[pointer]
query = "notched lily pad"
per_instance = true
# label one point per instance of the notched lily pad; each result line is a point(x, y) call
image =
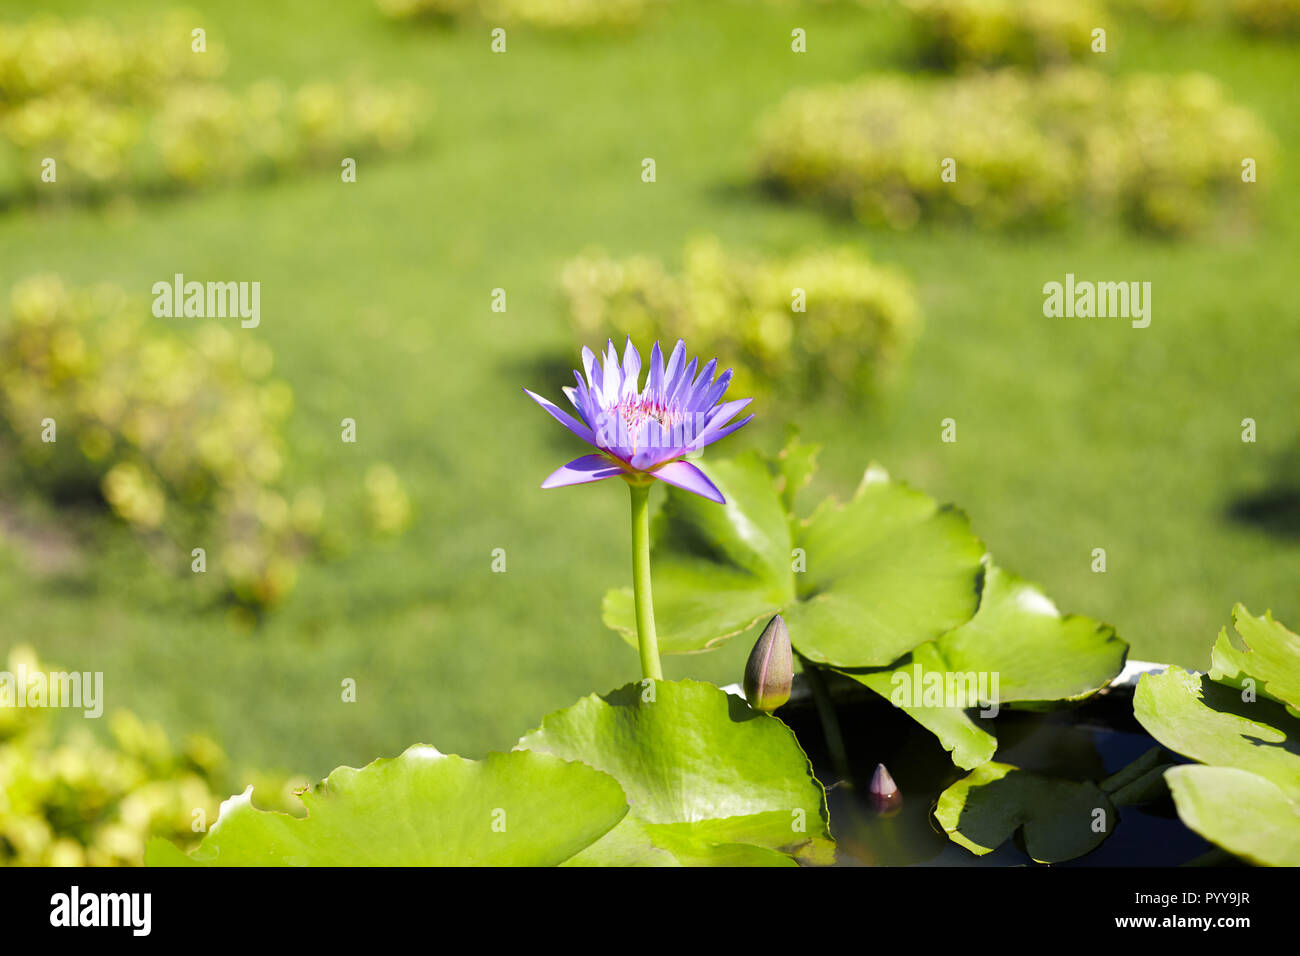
point(1058, 819)
point(422, 808)
point(1242, 812)
point(1271, 658)
point(873, 588)
point(1210, 723)
point(709, 780)
point(1240, 721)
point(1017, 648)
point(1036, 652)
point(860, 583)
point(959, 729)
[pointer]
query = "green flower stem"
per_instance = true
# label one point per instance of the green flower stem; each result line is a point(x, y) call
point(647, 639)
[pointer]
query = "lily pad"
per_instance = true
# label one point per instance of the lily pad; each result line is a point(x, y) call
point(873, 588)
point(1210, 723)
point(1017, 648)
point(1271, 658)
point(1058, 819)
point(794, 468)
point(1242, 812)
point(637, 843)
point(709, 779)
point(422, 808)
point(1240, 720)
point(970, 743)
point(859, 584)
point(1037, 653)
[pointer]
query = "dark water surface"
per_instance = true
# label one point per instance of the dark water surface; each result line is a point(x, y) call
point(1084, 742)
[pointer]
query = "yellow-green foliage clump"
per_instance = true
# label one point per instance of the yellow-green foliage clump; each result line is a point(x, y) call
point(1163, 11)
point(1280, 18)
point(118, 110)
point(47, 55)
point(544, 14)
point(985, 33)
point(71, 800)
point(1160, 153)
point(180, 437)
point(857, 323)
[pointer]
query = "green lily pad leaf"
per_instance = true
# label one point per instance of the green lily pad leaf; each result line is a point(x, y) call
point(422, 808)
point(1242, 812)
point(887, 571)
point(1059, 819)
point(702, 771)
point(1210, 723)
point(1241, 721)
point(794, 469)
point(1017, 647)
point(637, 843)
point(959, 732)
point(1035, 653)
point(878, 576)
point(628, 844)
point(695, 844)
point(1271, 658)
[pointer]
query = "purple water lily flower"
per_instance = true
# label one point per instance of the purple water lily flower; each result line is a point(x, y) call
point(642, 433)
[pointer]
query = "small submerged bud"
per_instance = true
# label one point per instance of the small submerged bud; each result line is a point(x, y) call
point(770, 669)
point(883, 793)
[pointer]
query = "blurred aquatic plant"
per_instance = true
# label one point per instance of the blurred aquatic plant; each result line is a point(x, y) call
point(388, 503)
point(182, 440)
point(1158, 153)
point(827, 321)
point(543, 14)
point(47, 55)
point(1165, 11)
point(71, 799)
point(984, 33)
point(1277, 18)
point(121, 111)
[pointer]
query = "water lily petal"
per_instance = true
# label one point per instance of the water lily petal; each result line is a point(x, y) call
point(655, 383)
point(564, 418)
point(591, 367)
point(715, 433)
point(716, 392)
point(578, 396)
point(689, 478)
point(678, 392)
point(582, 470)
point(674, 370)
point(691, 399)
point(631, 370)
point(613, 377)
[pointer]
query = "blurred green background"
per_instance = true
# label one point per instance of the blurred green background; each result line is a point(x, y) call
point(1072, 434)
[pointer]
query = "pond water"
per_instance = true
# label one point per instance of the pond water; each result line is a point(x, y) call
point(1089, 741)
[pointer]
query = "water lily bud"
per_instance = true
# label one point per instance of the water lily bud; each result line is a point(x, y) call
point(883, 793)
point(770, 668)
